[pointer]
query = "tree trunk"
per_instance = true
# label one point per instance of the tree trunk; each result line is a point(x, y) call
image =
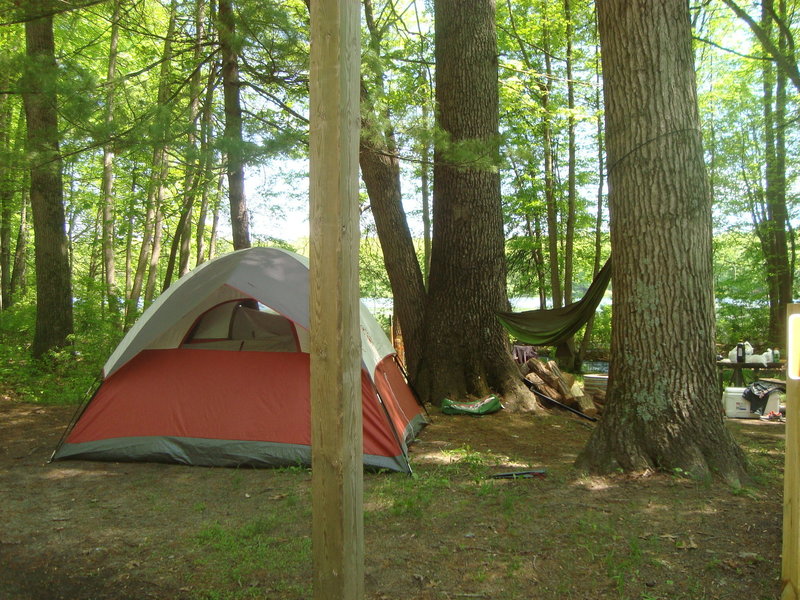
point(598, 223)
point(107, 216)
point(380, 170)
point(151, 238)
point(537, 256)
point(569, 234)
point(662, 408)
point(180, 248)
point(774, 244)
point(240, 224)
point(53, 286)
point(466, 351)
point(424, 182)
point(20, 263)
point(550, 184)
point(11, 144)
point(155, 254)
point(207, 170)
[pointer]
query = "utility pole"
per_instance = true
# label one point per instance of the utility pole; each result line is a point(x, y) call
point(336, 420)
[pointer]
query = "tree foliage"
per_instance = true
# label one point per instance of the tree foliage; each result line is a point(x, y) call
point(161, 114)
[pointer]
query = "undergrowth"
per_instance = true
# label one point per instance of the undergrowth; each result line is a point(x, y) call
point(63, 376)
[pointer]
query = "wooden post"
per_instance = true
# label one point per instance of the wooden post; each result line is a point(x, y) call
point(336, 429)
point(790, 568)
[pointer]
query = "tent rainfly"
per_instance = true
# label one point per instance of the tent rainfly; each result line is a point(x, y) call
point(216, 373)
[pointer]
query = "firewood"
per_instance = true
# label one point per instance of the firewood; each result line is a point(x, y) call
point(534, 379)
point(560, 381)
point(586, 406)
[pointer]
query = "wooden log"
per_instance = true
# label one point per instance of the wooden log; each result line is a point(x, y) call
point(587, 406)
point(560, 381)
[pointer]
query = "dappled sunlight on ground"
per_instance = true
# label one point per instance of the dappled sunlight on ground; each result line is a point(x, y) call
point(128, 531)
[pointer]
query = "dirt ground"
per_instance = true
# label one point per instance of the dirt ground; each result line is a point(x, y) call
point(94, 531)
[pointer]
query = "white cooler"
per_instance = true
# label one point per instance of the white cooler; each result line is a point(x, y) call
point(736, 407)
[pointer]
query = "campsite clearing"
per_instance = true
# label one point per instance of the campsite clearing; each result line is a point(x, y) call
point(88, 530)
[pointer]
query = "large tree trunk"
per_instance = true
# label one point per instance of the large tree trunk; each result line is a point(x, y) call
point(53, 285)
point(240, 223)
point(466, 351)
point(663, 408)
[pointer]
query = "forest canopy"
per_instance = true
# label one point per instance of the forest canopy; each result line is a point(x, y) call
point(180, 131)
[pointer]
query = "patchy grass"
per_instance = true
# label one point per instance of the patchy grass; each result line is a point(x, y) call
point(83, 530)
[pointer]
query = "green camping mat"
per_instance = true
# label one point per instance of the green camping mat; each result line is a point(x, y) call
point(480, 407)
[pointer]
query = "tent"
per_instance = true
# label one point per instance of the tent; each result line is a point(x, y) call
point(216, 372)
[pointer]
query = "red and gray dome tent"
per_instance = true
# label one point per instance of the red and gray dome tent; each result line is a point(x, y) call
point(216, 372)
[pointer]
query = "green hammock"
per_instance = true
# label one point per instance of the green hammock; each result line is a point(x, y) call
point(554, 326)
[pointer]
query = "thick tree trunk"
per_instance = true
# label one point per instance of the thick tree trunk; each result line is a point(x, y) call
point(53, 285)
point(240, 223)
point(466, 351)
point(663, 407)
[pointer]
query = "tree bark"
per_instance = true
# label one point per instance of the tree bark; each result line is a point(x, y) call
point(107, 184)
point(240, 222)
point(772, 230)
point(11, 182)
point(662, 408)
point(151, 238)
point(466, 349)
point(180, 246)
point(550, 183)
point(20, 263)
point(380, 170)
point(569, 234)
point(598, 223)
point(53, 285)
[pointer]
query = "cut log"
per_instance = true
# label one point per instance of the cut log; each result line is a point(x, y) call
point(544, 387)
point(560, 381)
point(586, 406)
